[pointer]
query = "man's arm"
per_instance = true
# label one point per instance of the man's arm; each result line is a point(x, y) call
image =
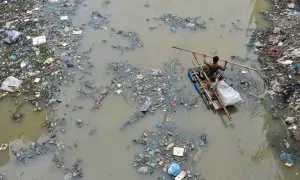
point(205, 62)
point(224, 67)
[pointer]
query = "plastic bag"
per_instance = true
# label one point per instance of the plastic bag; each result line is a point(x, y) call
point(284, 156)
point(12, 36)
point(11, 84)
point(174, 169)
point(228, 94)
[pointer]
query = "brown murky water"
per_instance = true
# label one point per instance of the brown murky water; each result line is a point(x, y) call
point(232, 154)
point(29, 128)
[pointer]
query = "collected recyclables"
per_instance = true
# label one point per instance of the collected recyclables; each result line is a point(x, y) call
point(228, 95)
point(11, 84)
point(174, 169)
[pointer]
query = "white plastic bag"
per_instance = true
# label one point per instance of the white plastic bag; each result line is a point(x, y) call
point(12, 36)
point(228, 94)
point(11, 84)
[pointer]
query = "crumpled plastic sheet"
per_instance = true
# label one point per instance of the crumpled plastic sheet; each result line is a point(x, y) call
point(288, 157)
point(11, 84)
point(12, 36)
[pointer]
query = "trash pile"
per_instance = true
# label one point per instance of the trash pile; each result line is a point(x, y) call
point(75, 172)
point(38, 42)
point(101, 21)
point(288, 158)
point(131, 37)
point(45, 144)
point(39, 53)
point(153, 90)
point(98, 21)
point(165, 149)
point(190, 23)
point(278, 48)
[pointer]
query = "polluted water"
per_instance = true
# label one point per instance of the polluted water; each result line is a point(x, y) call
point(123, 105)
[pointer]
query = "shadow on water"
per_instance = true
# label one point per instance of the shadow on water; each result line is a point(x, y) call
point(29, 127)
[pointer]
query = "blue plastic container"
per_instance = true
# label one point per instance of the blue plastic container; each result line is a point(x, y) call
point(174, 169)
point(191, 76)
point(197, 87)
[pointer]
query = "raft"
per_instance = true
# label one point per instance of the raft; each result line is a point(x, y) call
point(199, 82)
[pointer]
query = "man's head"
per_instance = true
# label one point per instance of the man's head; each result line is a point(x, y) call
point(215, 59)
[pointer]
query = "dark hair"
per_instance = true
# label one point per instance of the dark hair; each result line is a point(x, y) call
point(216, 59)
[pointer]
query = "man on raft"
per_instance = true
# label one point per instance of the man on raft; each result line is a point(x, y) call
point(212, 68)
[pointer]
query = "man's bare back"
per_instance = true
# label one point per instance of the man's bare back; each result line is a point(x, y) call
point(214, 67)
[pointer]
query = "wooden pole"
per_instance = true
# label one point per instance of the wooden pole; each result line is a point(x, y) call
point(230, 62)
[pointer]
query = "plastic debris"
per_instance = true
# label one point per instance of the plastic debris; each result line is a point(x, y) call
point(43, 139)
point(38, 40)
point(139, 76)
point(132, 39)
point(276, 30)
point(3, 147)
point(13, 57)
point(156, 152)
point(178, 151)
point(286, 62)
point(174, 169)
point(296, 53)
point(258, 44)
point(12, 36)
point(161, 89)
point(288, 158)
point(159, 125)
point(68, 176)
point(155, 72)
point(173, 28)
point(79, 122)
point(173, 103)
point(119, 85)
point(181, 175)
point(11, 84)
point(98, 20)
point(170, 146)
point(64, 18)
point(190, 23)
point(143, 170)
point(146, 105)
point(37, 80)
point(53, 101)
point(291, 5)
point(77, 32)
point(118, 91)
point(2, 95)
point(49, 60)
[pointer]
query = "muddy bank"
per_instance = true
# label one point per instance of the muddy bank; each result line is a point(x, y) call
point(39, 55)
point(278, 50)
point(39, 48)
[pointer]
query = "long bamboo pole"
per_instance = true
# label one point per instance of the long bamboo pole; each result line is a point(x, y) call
point(219, 59)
